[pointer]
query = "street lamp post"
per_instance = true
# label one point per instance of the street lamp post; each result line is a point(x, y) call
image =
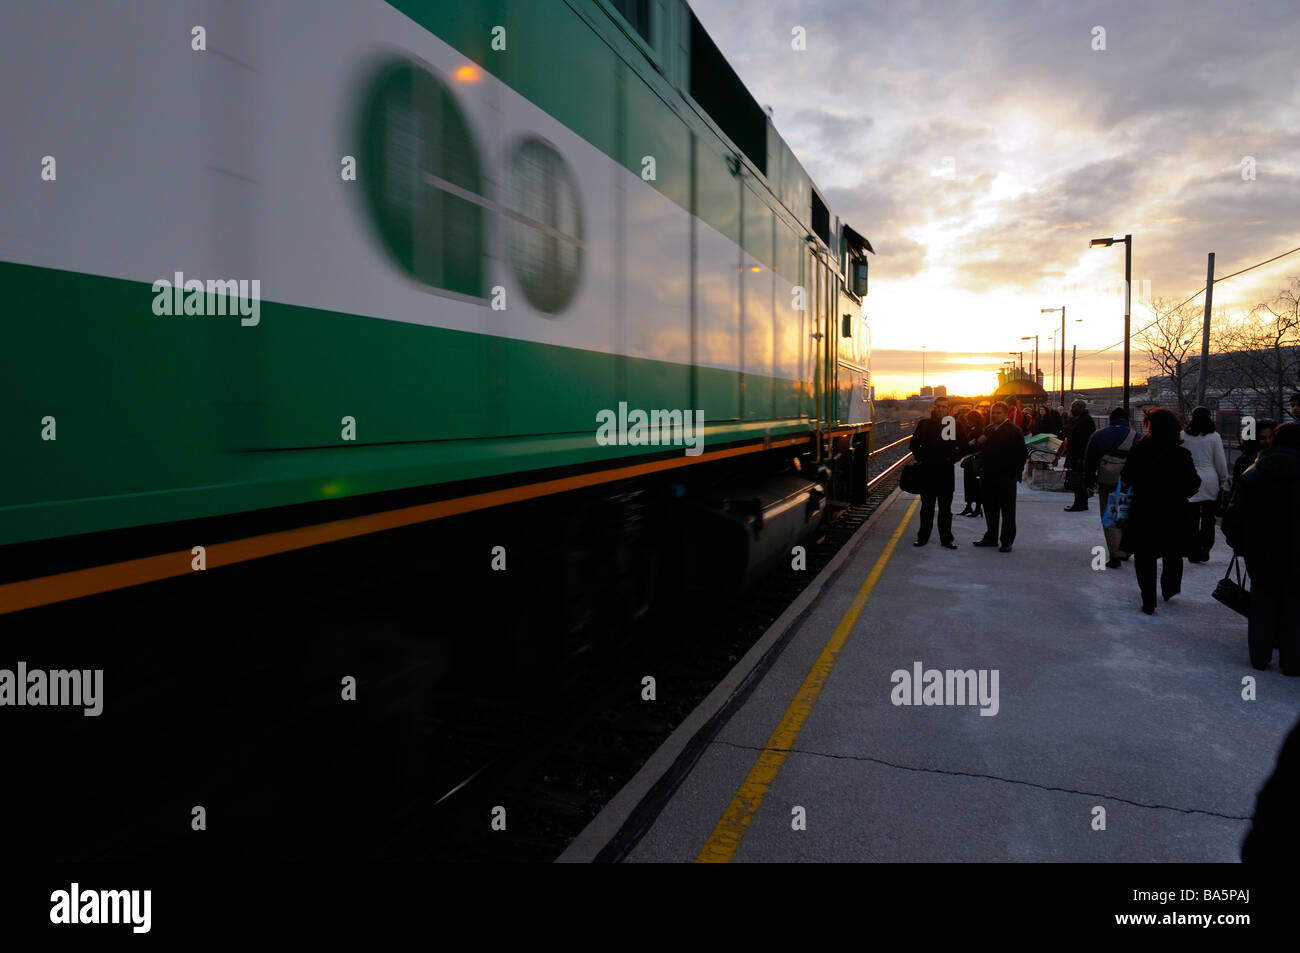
point(1053, 311)
point(1128, 287)
point(1052, 337)
point(1033, 370)
point(923, 367)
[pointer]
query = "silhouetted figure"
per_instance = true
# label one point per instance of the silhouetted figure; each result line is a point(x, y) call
point(1002, 460)
point(1052, 421)
point(1263, 524)
point(1274, 837)
point(1250, 449)
point(1161, 476)
point(936, 445)
point(970, 465)
point(1206, 448)
point(1103, 462)
point(1079, 430)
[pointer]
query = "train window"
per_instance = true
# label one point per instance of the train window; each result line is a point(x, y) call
point(821, 219)
point(637, 13)
point(545, 225)
point(421, 178)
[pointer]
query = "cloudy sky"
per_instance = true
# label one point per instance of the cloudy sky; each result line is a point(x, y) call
point(980, 146)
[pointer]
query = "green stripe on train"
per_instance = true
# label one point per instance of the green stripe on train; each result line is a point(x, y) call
point(163, 418)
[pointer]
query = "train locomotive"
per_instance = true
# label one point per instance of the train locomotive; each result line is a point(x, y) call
point(279, 277)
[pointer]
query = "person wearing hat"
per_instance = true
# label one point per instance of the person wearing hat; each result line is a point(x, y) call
point(1078, 431)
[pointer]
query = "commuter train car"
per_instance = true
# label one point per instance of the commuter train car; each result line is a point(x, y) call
point(278, 274)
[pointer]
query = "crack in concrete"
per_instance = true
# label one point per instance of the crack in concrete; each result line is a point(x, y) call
point(991, 777)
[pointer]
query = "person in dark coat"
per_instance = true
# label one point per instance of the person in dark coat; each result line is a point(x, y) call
point(936, 445)
point(1113, 442)
point(970, 465)
point(1161, 476)
point(1251, 449)
point(1052, 422)
point(1002, 460)
point(1274, 837)
point(1263, 524)
point(1078, 431)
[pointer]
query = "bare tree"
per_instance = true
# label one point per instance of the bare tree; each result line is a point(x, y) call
point(1263, 351)
point(1173, 337)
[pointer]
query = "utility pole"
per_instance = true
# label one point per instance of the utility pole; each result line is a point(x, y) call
point(1205, 334)
point(1128, 290)
point(1063, 357)
point(1074, 353)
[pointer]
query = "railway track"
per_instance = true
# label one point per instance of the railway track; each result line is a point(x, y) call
point(562, 762)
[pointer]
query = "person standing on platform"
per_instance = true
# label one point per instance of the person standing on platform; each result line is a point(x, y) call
point(1053, 424)
point(936, 445)
point(1251, 449)
point(1103, 462)
point(1002, 460)
point(1161, 476)
point(1206, 448)
point(1079, 431)
point(1263, 524)
point(970, 465)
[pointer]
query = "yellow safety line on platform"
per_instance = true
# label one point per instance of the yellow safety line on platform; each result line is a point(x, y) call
point(722, 844)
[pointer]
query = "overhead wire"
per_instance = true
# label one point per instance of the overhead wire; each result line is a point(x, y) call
point(1192, 298)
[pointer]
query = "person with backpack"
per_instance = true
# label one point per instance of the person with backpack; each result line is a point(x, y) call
point(1103, 462)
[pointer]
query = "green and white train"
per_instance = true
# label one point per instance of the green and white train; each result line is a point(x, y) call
point(471, 227)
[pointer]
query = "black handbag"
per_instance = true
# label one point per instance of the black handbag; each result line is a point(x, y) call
point(1233, 592)
point(912, 478)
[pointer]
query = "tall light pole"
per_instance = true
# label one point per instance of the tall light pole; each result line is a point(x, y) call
point(923, 371)
point(1128, 287)
point(1034, 369)
point(1053, 311)
point(1052, 337)
point(1112, 374)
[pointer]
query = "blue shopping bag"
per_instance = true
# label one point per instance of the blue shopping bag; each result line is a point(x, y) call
point(1117, 505)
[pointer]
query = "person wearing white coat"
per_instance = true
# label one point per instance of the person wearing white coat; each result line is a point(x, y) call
point(1206, 448)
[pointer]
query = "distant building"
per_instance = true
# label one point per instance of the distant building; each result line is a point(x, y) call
point(927, 391)
point(1258, 383)
point(940, 390)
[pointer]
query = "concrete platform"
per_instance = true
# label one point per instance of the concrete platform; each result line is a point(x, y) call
point(1098, 706)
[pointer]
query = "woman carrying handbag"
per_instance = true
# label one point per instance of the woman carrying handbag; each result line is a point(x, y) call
point(1263, 525)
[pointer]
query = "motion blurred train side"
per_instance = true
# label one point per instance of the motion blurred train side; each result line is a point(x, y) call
point(475, 226)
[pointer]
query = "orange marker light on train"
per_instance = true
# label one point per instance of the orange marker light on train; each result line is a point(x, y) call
point(467, 74)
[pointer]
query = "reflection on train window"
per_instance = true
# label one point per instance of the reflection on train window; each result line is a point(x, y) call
point(545, 226)
point(422, 179)
point(637, 13)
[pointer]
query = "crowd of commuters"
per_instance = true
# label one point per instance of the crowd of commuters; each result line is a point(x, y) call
point(993, 456)
point(1177, 484)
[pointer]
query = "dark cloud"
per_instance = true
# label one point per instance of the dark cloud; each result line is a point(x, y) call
point(1145, 136)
